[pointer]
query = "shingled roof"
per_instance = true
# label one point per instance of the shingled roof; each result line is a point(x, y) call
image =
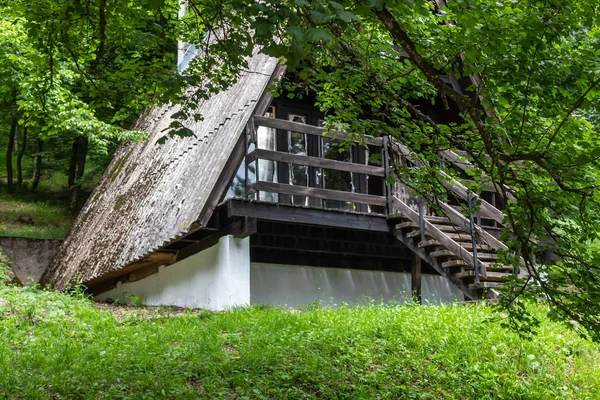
point(151, 193)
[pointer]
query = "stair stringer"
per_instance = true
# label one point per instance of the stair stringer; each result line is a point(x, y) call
point(473, 290)
point(471, 294)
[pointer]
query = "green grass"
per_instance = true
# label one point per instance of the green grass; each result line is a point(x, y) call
point(61, 347)
point(49, 219)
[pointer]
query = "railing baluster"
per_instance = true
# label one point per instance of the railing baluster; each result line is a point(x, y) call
point(421, 203)
point(387, 190)
point(246, 146)
point(473, 237)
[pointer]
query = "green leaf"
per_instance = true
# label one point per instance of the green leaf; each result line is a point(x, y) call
point(318, 34)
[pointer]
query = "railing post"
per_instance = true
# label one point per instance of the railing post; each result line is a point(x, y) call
point(473, 237)
point(246, 146)
point(421, 202)
point(387, 189)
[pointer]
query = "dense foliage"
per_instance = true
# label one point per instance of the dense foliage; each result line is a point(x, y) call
point(74, 77)
point(53, 345)
point(523, 86)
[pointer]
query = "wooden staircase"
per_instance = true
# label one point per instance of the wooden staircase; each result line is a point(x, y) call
point(446, 243)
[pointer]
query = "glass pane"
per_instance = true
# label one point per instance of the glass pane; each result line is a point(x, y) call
point(337, 180)
point(298, 173)
point(267, 170)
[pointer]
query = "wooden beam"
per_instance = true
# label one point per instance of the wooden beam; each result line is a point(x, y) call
point(462, 222)
point(317, 193)
point(241, 228)
point(488, 210)
point(312, 130)
point(434, 264)
point(318, 162)
point(319, 251)
point(457, 160)
point(306, 216)
point(435, 233)
point(415, 277)
point(136, 269)
point(220, 189)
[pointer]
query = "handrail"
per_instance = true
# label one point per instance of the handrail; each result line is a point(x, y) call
point(313, 130)
point(437, 234)
point(318, 162)
point(473, 239)
point(457, 160)
point(459, 189)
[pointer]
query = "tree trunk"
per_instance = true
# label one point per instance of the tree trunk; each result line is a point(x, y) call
point(82, 149)
point(20, 157)
point(10, 149)
point(37, 165)
point(73, 162)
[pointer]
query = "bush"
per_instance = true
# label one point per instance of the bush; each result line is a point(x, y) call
point(6, 274)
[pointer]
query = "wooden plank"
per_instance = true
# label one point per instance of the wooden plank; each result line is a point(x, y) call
point(486, 285)
point(312, 130)
point(462, 222)
point(492, 276)
point(434, 263)
point(465, 165)
point(317, 193)
point(120, 224)
point(435, 233)
point(442, 253)
point(240, 228)
point(324, 252)
point(306, 216)
point(415, 278)
point(318, 162)
point(134, 270)
point(488, 210)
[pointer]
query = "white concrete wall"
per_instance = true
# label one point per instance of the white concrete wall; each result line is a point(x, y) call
point(297, 286)
point(216, 278)
point(222, 276)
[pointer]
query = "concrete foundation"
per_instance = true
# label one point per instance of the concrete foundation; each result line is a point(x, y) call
point(29, 258)
point(215, 279)
point(222, 277)
point(297, 286)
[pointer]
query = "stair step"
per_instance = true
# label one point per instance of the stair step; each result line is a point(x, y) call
point(486, 285)
point(491, 276)
point(454, 263)
point(450, 228)
point(396, 217)
point(442, 253)
point(459, 237)
point(416, 233)
point(466, 245)
point(438, 220)
point(490, 268)
point(443, 228)
point(487, 256)
point(429, 243)
point(407, 224)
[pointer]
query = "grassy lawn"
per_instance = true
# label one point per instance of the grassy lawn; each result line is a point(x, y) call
point(65, 347)
point(33, 217)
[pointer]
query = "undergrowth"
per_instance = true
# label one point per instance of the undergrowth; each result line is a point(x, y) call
point(32, 218)
point(61, 346)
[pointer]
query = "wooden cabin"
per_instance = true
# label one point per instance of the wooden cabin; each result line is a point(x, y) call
point(264, 206)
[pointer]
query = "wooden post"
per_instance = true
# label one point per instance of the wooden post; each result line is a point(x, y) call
point(415, 274)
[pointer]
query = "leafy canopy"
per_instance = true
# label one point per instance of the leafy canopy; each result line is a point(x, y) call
point(523, 85)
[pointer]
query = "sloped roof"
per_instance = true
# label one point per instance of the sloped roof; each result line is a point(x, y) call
point(153, 193)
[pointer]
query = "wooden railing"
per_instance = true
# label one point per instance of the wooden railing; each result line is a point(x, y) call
point(311, 161)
